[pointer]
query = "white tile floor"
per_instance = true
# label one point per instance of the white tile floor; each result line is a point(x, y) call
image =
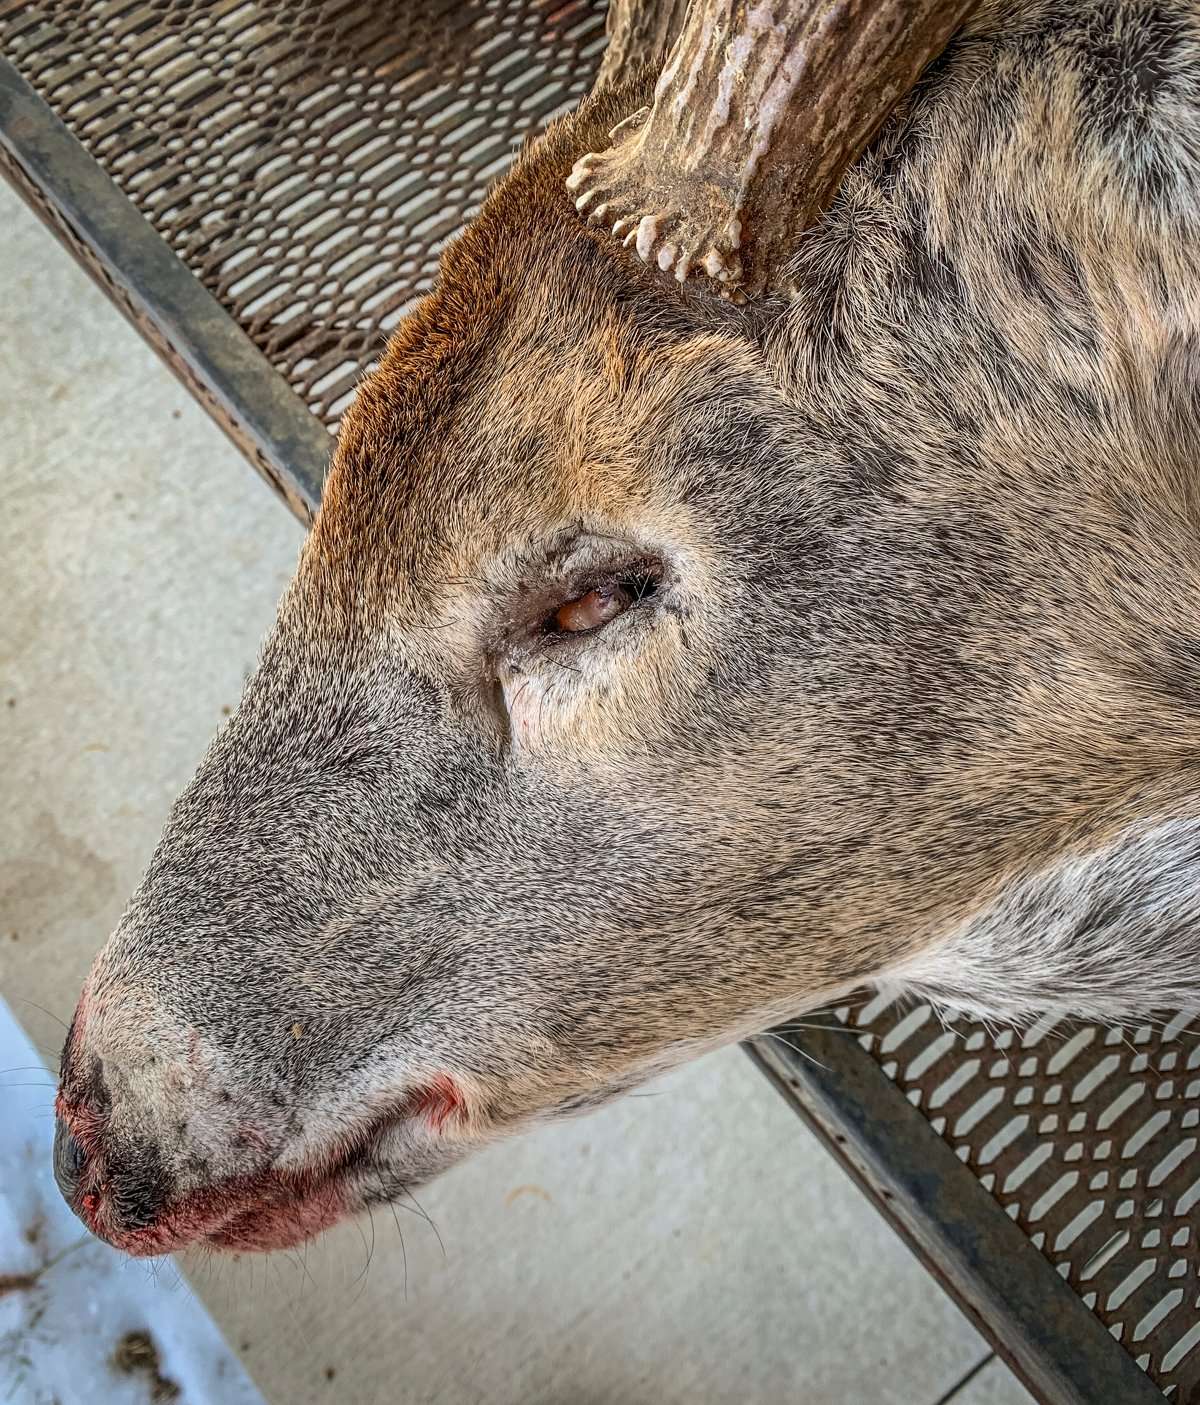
point(695, 1245)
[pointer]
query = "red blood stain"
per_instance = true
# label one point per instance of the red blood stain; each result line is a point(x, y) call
point(439, 1101)
point(271, 1210)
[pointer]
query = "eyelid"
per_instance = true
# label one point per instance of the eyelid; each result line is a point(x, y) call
point(637, 585)
point(518, 630)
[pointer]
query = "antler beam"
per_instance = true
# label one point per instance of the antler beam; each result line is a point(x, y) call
point(640, 32)
point(758, 112)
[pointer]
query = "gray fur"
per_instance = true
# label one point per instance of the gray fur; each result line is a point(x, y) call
point(1109, 935)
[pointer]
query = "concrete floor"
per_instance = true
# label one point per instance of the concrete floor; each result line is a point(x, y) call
point(694, 1244)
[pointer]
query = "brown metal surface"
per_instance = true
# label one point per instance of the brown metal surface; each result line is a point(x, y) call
point(306, 160)
point(1087, 1137)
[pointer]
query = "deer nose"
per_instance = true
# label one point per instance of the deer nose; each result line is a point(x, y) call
point(106, 1161)
point(70, 1159)
point(113, 1194)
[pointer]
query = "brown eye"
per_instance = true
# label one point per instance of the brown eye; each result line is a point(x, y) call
point(592, 610)
point(604, 602)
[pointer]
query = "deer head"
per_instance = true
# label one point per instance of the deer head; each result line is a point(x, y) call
point(659, 666)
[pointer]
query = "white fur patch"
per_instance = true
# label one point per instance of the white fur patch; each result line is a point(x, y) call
point(1105, 936)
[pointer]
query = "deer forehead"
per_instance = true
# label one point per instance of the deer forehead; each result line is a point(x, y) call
point(535, 431)
point(472, 459)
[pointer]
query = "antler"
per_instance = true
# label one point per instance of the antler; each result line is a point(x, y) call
point(758, 112)
point(639, 33)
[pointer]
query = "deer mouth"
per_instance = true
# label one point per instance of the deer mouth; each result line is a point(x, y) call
point(274, 1208)
point(127, 1189)
point(274, 1221)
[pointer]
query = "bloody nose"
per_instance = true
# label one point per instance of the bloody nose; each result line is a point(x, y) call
point(69, 1162)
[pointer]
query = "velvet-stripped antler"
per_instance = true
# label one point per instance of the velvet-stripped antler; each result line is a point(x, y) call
point(640, 32)
point(757, 113)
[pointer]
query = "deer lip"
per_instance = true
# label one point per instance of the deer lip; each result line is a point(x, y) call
point(280, 1224)
point(272, 1209)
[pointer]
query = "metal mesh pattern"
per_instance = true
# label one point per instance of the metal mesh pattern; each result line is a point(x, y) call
point(307, 161)
point(1088, 1139)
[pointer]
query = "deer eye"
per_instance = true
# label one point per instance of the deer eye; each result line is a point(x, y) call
point(602, 603)
point(592, 610)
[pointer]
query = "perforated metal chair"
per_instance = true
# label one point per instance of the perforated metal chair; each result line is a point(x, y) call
point(263, 190)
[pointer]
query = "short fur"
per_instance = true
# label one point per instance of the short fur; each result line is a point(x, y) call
point(914, 693)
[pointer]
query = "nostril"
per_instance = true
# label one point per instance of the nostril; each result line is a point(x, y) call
point(69, 1161)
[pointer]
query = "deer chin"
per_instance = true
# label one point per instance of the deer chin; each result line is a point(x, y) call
point(268, 1224)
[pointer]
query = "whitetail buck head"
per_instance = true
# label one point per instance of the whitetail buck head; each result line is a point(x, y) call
point(659, 666)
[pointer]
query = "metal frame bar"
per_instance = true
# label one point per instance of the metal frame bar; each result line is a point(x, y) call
point(1054, 1343)
point(1004, 1285)
point(161, 297)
